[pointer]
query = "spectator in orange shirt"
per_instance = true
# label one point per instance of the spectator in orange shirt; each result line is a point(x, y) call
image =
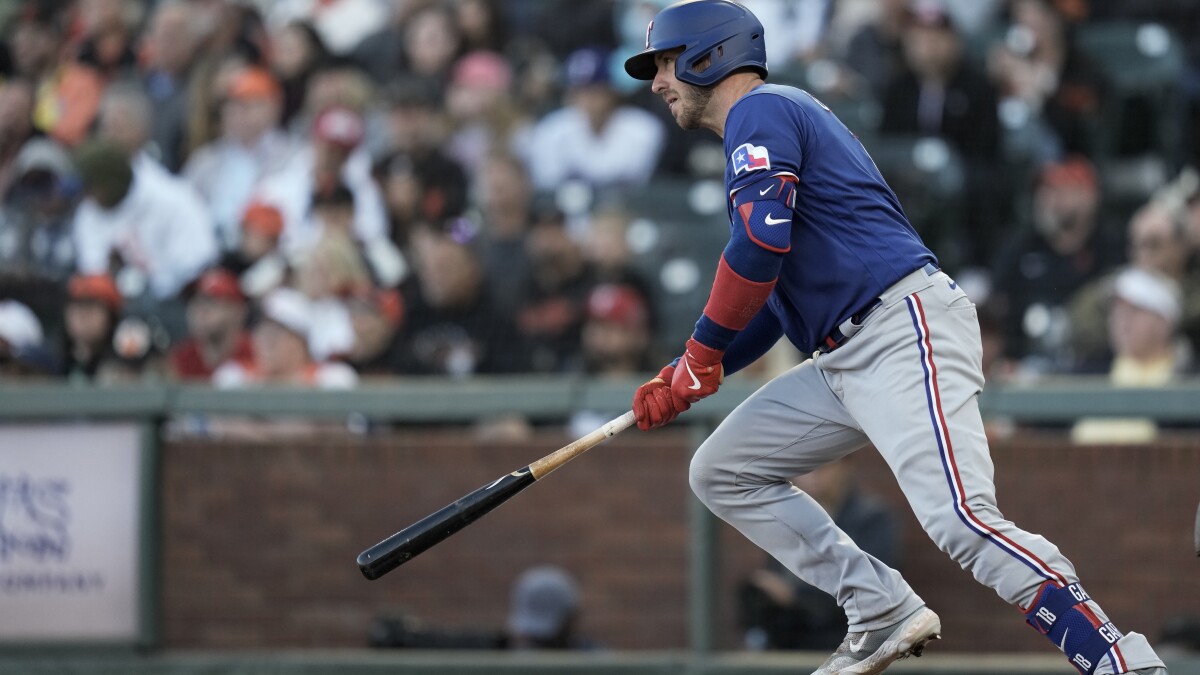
point(68, 92)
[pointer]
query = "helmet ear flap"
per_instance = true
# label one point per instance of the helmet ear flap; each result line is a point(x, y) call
point(708, 67)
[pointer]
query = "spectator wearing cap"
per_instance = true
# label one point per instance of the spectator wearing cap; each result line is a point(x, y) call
point(335, 155)
point(1158, 243)
point(1143, 323)
point(216, 321)
point(23, 351)
point(261, 226)
point(377, 316)
point(940, 93)
point(544, 611)
point(616, 331)
point(35, 217)
point(252, 145)
point(480, 106)
point(1064, 247)
point(90, 317)
point(151, 225)
point(1148, 350)
point(281, 354)
point(594, 138)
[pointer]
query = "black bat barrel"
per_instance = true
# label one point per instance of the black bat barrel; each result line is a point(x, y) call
point(413, 540)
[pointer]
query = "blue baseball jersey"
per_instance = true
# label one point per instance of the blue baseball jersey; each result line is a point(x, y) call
point(848, 238)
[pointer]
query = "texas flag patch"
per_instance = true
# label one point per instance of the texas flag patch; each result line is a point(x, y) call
point(749, 157)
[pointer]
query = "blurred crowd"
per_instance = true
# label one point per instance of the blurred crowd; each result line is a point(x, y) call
point(319, 192)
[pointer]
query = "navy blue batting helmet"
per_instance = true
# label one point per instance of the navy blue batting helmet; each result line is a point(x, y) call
point(721, 30)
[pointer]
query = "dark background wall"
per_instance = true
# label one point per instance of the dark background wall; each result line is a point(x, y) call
point(259, 538)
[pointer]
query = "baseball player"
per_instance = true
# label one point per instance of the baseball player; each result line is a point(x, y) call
point(820, 251)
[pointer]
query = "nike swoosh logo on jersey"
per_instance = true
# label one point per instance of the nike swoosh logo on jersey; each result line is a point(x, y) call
point(765, 190)
point(861, 641)
point(775, 221)
point(695, 380)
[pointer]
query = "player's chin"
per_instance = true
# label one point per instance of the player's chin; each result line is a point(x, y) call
point(686, 120)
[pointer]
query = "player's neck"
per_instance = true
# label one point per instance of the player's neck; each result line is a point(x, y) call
point(725, 94)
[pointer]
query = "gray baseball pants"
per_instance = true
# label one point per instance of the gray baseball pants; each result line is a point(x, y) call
point(908, 383)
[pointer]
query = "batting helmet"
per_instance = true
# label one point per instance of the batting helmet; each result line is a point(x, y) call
point(721, 30)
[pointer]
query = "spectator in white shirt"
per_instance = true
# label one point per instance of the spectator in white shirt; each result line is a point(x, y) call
point(147, 224)
point(594, 138)
point(335, 155)
point(281, 350)
point(342, 24)
point(252, 145)
point(126, 117)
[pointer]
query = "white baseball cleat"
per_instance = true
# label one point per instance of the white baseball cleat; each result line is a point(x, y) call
point(872, 651)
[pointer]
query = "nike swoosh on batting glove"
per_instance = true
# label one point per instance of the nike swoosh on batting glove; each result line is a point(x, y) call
point(653, 403)
point(699, 372)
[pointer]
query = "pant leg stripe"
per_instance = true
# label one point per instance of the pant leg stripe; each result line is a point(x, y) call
point(946, 450)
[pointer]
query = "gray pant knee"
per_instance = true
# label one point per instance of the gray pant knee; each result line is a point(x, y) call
point(706, 476)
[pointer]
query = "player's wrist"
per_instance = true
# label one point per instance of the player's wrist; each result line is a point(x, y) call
point(702, 354)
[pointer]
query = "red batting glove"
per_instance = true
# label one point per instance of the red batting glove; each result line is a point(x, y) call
point(699, 372)
point(654, 405)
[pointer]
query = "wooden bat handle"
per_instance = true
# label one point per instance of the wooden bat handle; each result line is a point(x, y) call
point(565, 454)
point(427, 532)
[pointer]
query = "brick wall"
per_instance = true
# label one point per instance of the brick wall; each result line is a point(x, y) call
point(259, 538)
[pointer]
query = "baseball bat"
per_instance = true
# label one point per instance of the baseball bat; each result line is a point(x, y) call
point(415, 539)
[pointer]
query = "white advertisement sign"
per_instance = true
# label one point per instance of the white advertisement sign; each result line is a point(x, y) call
point(69, 532)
